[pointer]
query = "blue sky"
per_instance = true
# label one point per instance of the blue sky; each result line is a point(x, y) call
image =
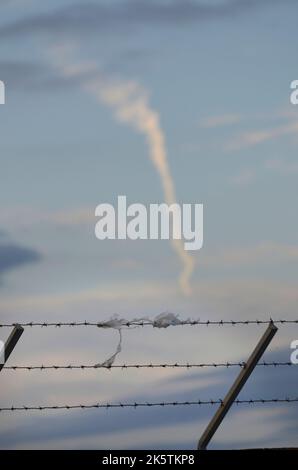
point(217, 75)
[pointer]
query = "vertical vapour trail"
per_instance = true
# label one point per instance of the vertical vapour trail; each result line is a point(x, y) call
point(130, 104)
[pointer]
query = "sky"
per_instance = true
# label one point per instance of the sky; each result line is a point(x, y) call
point(90, 87)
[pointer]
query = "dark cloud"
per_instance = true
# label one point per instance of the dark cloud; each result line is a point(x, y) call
point(21, 73)
point(91, 17)
point(13, 256)
point(33, 76)
point(85, 18)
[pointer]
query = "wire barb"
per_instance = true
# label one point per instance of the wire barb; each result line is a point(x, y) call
point(150, 323)
point(145, 404)
point(143, 366)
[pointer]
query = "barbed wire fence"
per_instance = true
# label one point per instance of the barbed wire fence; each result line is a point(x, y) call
point(162, 321)
point(148, 404)
point(153, 323)
point(143, 366)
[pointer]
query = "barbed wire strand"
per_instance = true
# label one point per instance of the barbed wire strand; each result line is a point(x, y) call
point(146, 404)
point(148, 323)
point(143, 366)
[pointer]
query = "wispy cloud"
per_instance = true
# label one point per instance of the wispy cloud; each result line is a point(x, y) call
point(13, 256)
point(220, 120)
point(256, 137)
point(107, 292)
point(281, 166)
point(266, 251)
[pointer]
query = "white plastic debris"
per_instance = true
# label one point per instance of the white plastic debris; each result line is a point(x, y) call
point(114, 322)
point(166, 319)
point(163, 320)
point(110, 361)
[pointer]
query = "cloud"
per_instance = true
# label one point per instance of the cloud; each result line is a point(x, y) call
point(123, 292)
point(253, 138)
point(249, 255)
point(249, 427)
point(13, 256)
point(21, 73)
point(220, 120)
point(281, 166)
point(36, 76)
point(231, 297)
point(122, 17)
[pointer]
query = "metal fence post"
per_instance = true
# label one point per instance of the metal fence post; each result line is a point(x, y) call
point(11, 342)
point(237, 386)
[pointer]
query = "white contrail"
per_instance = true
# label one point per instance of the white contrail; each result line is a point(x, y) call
point(130, 104)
